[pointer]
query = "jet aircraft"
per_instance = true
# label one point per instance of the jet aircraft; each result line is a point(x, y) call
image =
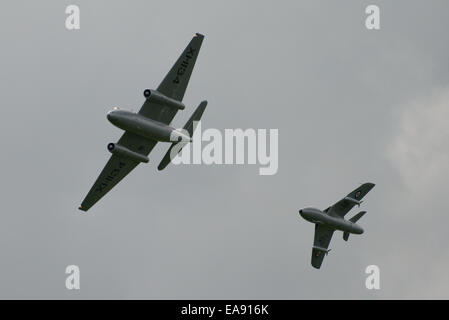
point(149, 126)
point(331, 219)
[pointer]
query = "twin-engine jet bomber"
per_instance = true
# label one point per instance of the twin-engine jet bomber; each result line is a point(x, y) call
point(331, 219)
point(149, 126)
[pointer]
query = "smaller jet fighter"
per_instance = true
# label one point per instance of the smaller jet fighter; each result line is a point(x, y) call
point(331, 219)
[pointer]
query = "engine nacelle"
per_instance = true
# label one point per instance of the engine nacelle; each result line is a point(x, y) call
point(124, 152)
point(157, 97)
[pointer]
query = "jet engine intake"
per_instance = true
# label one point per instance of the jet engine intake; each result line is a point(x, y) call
point(124, 152)
point(157, 97)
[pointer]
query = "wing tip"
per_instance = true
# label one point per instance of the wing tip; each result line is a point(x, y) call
point(316, 264)
point(164, 163)
point(367, 185)
point(199, 35)
point(82, 209)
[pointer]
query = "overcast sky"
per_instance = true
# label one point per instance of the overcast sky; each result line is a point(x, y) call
point(351, 106)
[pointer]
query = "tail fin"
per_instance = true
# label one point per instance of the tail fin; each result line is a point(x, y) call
point(196, 116)
point(354, 219)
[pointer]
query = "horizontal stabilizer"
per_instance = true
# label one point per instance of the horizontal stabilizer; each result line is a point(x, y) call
point(189, 127)
point(355, 218)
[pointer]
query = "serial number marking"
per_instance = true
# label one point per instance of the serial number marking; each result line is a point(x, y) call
point(110, 177)
point(184, 64)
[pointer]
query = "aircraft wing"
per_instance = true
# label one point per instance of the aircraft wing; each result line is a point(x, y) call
point(175, 83)
point(321, 241)
point(117, 168)
point(342, 207)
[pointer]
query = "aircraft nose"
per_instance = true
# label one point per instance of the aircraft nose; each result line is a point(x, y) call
point(111, 115)
point(300, 213)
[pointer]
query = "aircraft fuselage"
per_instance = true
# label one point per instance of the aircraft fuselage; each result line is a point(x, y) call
point(317, 216)
point(145, 127)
